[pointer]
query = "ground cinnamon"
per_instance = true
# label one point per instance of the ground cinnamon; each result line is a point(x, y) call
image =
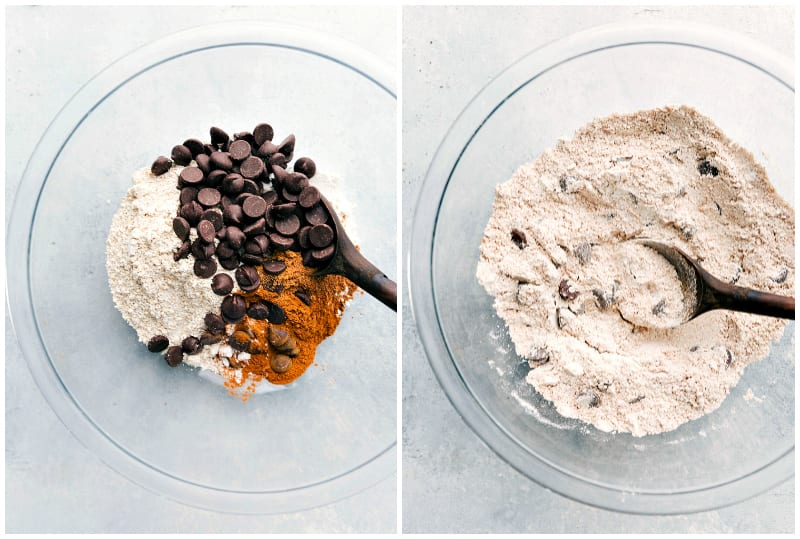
point(308, 324)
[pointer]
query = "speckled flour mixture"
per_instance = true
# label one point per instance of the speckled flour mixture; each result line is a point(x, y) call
point(588, 310)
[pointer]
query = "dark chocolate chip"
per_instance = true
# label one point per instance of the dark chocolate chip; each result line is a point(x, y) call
point(295, 183)
point(566, 290)
point(322, 255)
point(205, 230)
point(309, 197)
point(233, 308)
point(203, 163)
point(280, 242)
point(192, 176)
point(781, 276)
point(207, 338)
point(157, 343)
point(288, 195)
point(181, 227)
point(280, 176)
point(191, 212)
point(302, 237)
point(658, 308)
point(232, 215)
point(317, 215)
point(229, 263)
point(289, 225)
point(235, 237)
point(233, 184)
point(251, 187)
point(267, 149)
point(214, 323)
point(214, 217)
point(705, 168)
point(188, 194)
point(181, 155)
point(222, 284)
point(240, 341)
point(205, 268)
point(221, 161)
point(240, 150)
point(320, 236)
point(286, 147)
point(282, 211)
point(262, 133)
point(246, 136)
point(208, 149)
point(518, 237)
point(258, 245)
point(252, 167)
point(160, 166)
point(194, 145)
point(202, 250)
point(280, 363)
point(182, 251)
point(222, 231)
point(254, 207)
point(215, 178)
point(305, 165)
point(256, 228)
point(208, 197)
point(302, 296)
point(278, 160)
point(174, 356)
point(276, 314)
point(274, 267)
point(251, 259)
point(225, 250)
point(258, 311)
point(191, 345)
point(248, 278)
point(218, 136)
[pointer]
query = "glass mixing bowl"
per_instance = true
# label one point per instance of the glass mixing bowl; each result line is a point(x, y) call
point(333, 433)
point(741, 449)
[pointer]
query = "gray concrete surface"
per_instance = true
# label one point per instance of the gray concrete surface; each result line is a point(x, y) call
point(451, 481)
point(53, 484)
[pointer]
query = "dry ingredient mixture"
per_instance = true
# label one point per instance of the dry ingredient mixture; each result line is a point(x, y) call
point(590, 311)
point(212, 253)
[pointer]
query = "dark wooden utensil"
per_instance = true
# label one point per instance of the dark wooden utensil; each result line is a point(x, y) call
point(703, 292)
point(348, 262)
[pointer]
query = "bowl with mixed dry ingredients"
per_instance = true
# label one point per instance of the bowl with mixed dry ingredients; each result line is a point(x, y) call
point(550, 331)
point(172, 192)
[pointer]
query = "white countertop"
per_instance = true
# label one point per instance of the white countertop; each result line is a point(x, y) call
point(451, 481)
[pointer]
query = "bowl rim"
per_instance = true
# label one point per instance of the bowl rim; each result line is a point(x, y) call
point(422, 295)
point(18, 242)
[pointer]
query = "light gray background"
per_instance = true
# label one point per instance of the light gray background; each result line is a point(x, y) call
point(52, 482)
point(451, 481)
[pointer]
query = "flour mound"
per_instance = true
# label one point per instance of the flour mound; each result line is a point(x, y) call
point(590, 310)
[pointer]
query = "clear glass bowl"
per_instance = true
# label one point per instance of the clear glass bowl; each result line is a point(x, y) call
point(334, 432)
point(741, 449)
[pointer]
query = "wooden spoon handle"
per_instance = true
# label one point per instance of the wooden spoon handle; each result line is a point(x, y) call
point(372, 280)
point(721, 295)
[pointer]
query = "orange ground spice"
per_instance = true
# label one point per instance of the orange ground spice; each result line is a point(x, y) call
point(308, 325)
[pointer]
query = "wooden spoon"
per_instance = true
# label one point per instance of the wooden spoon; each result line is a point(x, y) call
point(703, 292)
point(348, 262)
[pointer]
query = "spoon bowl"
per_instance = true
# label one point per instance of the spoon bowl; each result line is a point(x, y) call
point(702, 292)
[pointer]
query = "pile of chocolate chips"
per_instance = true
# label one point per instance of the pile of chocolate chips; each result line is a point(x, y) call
point(244, 205)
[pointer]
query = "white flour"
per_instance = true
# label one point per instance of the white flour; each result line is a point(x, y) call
point(155, 294)
point(619, 178)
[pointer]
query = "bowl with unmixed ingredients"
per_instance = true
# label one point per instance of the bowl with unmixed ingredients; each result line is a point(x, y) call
point(332, 432)
point(743, 448)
